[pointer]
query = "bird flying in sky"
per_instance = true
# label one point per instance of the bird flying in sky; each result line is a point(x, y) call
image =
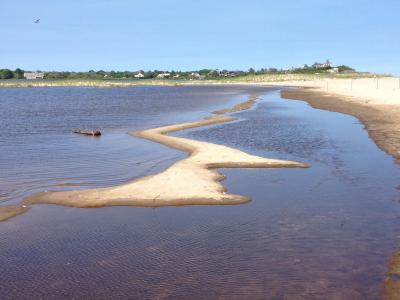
point(37, 21)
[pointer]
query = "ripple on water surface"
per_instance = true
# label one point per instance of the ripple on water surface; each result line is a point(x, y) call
point(38, 150)
point(319, 233)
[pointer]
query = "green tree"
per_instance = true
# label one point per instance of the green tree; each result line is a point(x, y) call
point(18, 73)
point(6, 74)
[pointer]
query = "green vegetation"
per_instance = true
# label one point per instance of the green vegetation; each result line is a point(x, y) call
point(156, 77)
point(6, 74)
point(181, 75)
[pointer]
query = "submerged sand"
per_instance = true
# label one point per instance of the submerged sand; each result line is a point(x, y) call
point(238, 107)
point(191, 181)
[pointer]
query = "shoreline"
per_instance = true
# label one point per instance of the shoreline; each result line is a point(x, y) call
point(11, 211)
point(193, 180)
point(382, 122)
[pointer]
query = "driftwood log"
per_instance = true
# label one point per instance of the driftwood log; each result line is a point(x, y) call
point(87, 132)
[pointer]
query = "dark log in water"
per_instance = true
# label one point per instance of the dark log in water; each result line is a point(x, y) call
point(87, 132)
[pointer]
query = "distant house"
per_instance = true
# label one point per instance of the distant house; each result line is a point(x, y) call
point(318, 65)
point(235, 73)
point(214, 73)
point(231, 73)
point(196, 76)
point(139, 75)
point(33, 75)
point(163, 75)
point(327, 64)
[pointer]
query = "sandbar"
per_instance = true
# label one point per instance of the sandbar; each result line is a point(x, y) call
point(238, 107)
point(10, 211)
point(190, 181)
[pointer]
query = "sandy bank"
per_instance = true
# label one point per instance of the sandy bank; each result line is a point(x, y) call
point(375, 91)
point(381, 120)
point(191, 181)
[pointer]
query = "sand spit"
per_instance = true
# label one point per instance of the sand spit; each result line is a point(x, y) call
point(191, 181)
point(238, 107)
point(380, 120)
point(10, 211)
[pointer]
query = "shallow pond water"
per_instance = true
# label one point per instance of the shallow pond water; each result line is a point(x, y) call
point(320, 233)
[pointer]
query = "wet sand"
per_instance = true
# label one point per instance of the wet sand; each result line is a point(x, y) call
point(191, 181)
point(382, 121)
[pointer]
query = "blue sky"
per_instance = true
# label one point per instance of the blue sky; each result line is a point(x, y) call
point(184, 35)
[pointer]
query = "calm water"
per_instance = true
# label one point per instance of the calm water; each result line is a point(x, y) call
point(319, 233)
point(38, 150)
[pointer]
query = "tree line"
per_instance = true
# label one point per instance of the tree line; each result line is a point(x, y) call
point(197, 74)
point(8, 74)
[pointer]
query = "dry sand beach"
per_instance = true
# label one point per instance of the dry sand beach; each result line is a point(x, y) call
point(374, 101)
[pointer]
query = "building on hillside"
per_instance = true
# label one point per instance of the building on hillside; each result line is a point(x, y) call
point(139, 75)
point(196, 76)
point(214, 73)
point(33, 75)
point(327, 64)
point(231, 73)
point(317, 65)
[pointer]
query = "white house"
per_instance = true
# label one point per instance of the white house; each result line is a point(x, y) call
point(33, 75)
point(196, 76)
point(163, 75)
point(318, 66)
point(139, 75)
